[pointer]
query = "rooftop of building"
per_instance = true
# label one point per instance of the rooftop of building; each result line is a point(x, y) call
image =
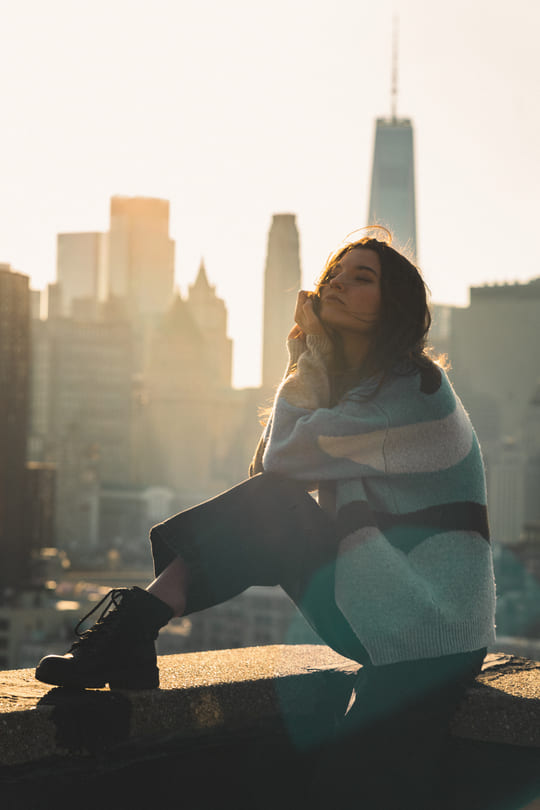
point(394, 121)
point(506, 290)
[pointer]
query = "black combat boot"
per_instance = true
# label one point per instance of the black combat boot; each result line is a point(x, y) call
point(118, 649)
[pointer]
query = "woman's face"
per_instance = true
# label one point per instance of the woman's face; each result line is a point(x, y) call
point(351, 296)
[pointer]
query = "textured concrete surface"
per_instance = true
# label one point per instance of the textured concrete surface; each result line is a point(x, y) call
point(504, 705)
point(274, 689)
point(207, 693)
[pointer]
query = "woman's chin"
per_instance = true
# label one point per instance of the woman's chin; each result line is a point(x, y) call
point(330, 322)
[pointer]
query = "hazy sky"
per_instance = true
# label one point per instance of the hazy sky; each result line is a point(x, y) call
point(238, 109)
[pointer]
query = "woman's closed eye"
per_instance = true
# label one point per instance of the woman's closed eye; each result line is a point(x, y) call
point(361, 279)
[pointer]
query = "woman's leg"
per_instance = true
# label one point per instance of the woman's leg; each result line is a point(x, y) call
point(265, 531)
point(171, 586)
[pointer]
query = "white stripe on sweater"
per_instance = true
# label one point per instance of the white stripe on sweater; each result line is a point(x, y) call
point(418, 448)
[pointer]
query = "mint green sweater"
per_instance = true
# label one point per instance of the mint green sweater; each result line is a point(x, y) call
point(414, 573)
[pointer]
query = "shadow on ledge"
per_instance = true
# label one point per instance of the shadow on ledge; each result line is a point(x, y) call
point(251, 728)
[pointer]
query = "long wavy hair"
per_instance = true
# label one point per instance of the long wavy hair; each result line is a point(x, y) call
point(400, 338)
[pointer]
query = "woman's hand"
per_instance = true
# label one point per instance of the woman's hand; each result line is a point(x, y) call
point(307, 321)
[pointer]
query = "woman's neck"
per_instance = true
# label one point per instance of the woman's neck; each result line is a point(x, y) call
point(356, 350)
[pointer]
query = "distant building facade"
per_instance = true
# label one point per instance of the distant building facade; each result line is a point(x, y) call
point(532, 471)
point(54, 300)
point(441, 329)
point(189, 411)
point(35, 304)
point(392, 200)
point(282, 280)
point(494, 355)
point(39, 506)
point(210, 315)
point(495, 366)
point(81, 263)
point(81, 415)
point(140, 255)
point(15, 355)
point(260, 615)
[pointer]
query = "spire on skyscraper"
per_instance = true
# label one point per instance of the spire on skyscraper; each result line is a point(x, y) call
point(394, 89)
point(202, 279)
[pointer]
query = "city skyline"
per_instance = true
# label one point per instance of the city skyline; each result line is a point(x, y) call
point(237, 114)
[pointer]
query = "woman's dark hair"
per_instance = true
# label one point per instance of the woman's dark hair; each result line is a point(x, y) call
point(400, 337)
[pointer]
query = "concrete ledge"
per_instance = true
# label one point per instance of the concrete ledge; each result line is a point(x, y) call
point(504, 705)
point(202, 695)
point(232, 722)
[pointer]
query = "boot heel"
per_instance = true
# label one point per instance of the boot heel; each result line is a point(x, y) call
point(135, 680)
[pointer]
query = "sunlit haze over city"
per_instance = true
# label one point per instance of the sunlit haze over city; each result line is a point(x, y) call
point(234, 111)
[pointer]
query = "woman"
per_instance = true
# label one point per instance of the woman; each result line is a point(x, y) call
point(392, 566)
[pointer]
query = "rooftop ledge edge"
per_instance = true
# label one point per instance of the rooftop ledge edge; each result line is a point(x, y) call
point(273, 689)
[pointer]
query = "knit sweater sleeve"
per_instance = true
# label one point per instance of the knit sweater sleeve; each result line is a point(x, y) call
point(308, 438)
point(306, 383)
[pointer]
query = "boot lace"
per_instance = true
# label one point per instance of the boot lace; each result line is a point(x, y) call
point(106, 618)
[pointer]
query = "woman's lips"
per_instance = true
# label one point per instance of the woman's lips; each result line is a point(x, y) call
point(333, 297)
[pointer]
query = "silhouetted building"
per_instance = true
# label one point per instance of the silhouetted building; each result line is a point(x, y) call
point(392, 200)
point(259, 615)
point(441, 327)
point(80, 268)
point(210, 314)
point(35, 304)
point(494, 355)
point(54, 300)
point(14, 403)
point(532, 471)
point(126, 515)
point(495, 366)
point(141, 255)
point(186, 416)
point(81, 416)
point(282, 280)
point(506, 491)
point(38, 509)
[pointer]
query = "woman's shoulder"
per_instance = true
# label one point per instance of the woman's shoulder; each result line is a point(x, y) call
point(411, 394)
point(428, 380)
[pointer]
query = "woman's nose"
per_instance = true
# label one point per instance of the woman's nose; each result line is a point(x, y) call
point(336, 281)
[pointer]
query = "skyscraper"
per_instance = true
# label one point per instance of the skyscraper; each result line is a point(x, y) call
point(392, 200)
point(141, 255)
point(80, 267)
point(210, 315)
point(14, 399)
point(81, 412)
point(495, 366)
point(282, 280)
